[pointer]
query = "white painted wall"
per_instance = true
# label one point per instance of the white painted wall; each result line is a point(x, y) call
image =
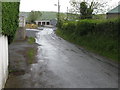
point(45, 21)
point(3, 60)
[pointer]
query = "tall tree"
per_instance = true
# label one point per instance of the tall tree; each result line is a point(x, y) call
point(33, 16)
point(83, 10)
point(87, 7)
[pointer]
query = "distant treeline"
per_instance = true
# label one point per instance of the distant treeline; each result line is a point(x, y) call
point(99, 36)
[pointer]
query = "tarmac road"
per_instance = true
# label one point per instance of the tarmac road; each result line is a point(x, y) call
point(61, 64)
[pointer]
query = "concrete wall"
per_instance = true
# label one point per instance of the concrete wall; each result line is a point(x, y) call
point(3, 60)
point(21, 33)
point(22, 21)
point(112, 15)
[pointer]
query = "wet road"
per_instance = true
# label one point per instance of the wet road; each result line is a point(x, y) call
point(64, 65)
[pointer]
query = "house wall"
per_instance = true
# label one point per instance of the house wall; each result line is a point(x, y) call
point(22, 21)
point(43, 22)
point(21, 32)
point(112, 15)
point(3, 60)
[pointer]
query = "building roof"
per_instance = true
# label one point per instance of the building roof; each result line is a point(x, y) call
point(115, 10)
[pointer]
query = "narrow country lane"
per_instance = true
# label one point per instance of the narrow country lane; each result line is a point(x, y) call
point(60, 64)
point(64, 65)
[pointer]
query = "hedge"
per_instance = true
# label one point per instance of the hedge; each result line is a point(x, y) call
point(10, 19)
point(84, 27)
point(100, 36)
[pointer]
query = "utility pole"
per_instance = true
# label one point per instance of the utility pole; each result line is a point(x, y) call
point(67, 13)
point(58, 12)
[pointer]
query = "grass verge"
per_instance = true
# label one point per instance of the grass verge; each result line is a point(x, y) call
point(31, 56)
point(31, 40)
point(98, 44)
point(31, 52)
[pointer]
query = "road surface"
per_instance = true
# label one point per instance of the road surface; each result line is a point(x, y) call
point(64, 65)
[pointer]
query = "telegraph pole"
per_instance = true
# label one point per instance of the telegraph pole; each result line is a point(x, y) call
point(58, 12)
point(67, 13)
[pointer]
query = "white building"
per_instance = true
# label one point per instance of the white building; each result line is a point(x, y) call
point(42, 22)
point(52, 22)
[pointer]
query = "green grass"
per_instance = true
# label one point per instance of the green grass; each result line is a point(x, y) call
point(31, 55)
point(31, 52)
point(45, 15)
point(99, 36)
point(101, 45)
point(31, 40)
point(48, 16)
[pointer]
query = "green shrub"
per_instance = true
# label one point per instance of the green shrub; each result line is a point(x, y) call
point(68, 27)
point(84, 27)
point(100, 36)
point(10, 16)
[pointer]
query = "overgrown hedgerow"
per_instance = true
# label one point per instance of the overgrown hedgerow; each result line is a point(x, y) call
point(100, 36)
point(10, 19)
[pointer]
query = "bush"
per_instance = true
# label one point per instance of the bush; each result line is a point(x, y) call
point(68, 27)
point(100, 36)
point(10, 17)
point(84, 27)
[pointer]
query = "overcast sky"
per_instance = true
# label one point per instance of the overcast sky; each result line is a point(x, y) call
point(48, 5)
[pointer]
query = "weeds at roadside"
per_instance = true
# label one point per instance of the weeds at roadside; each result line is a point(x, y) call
point(31, 40)
point(31, 56)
